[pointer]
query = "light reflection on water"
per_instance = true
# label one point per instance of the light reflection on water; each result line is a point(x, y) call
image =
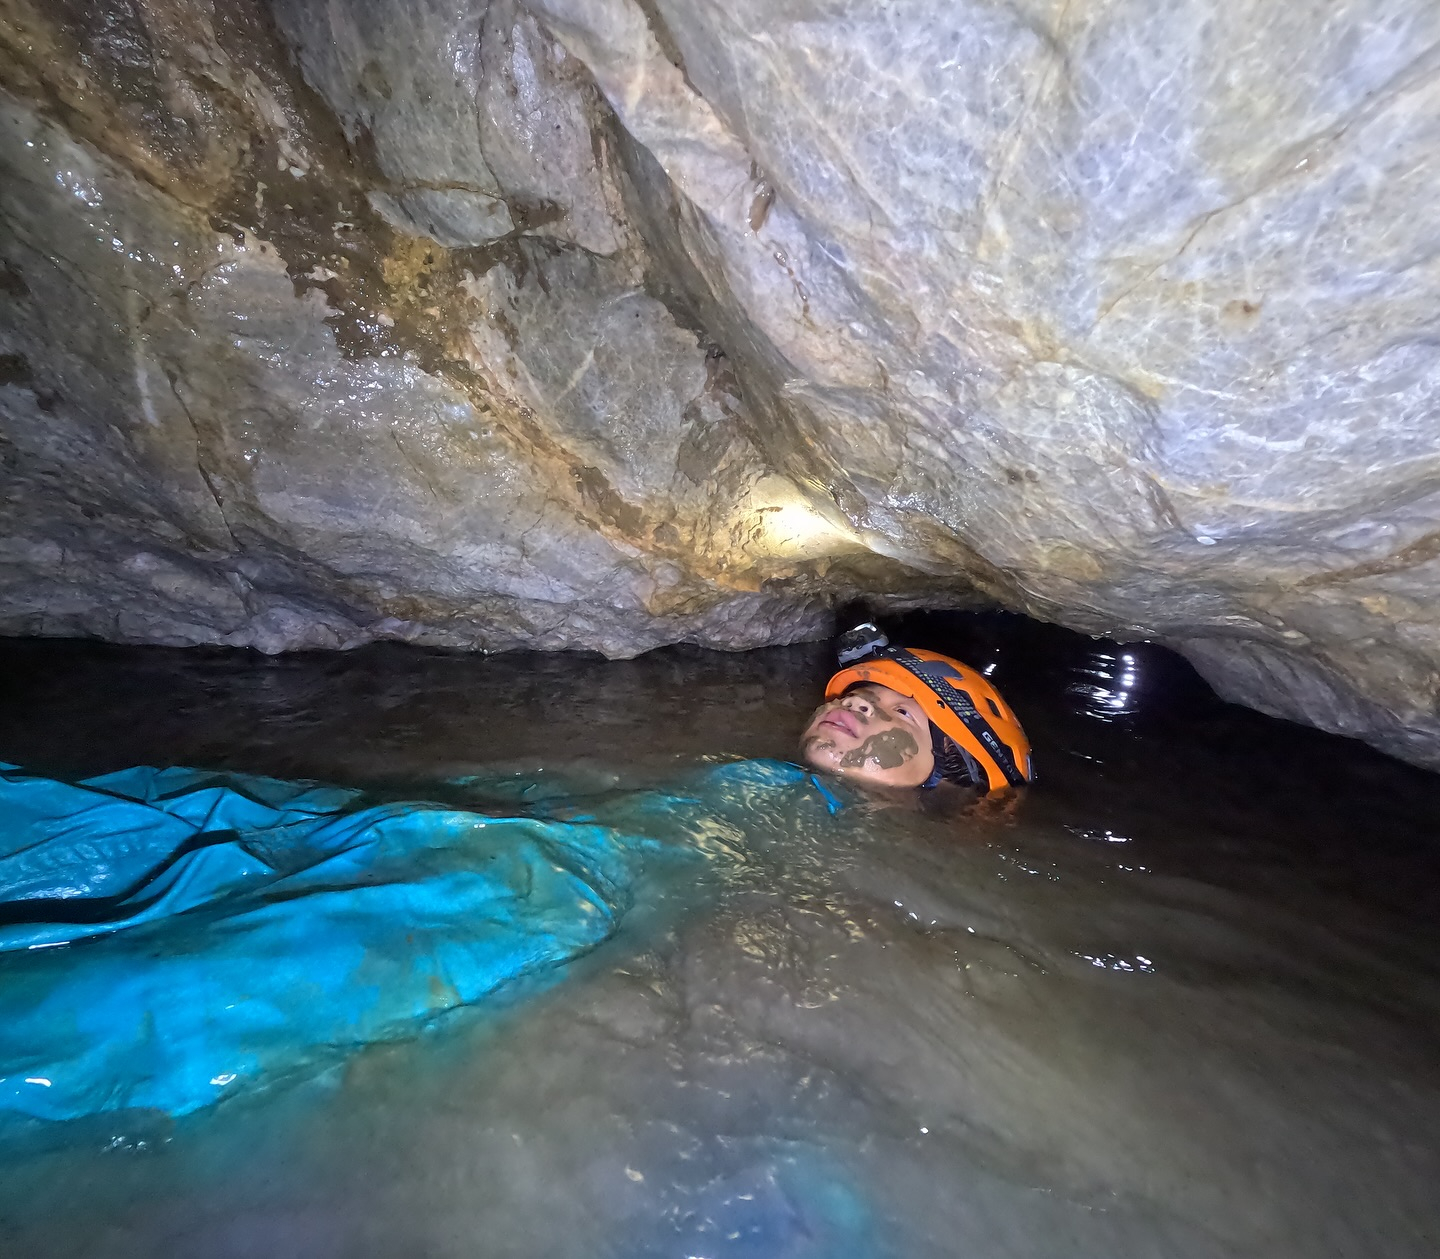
point(1181, 999)
point(1108, 684)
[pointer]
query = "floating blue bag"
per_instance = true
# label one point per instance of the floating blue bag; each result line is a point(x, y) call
point(168, 936)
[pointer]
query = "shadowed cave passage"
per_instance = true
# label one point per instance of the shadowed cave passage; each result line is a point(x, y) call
point(1182, 993)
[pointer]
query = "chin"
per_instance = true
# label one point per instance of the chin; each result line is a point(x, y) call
point(819, 752)
point(827, 763)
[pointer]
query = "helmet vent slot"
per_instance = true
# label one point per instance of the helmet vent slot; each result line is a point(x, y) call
point(993, 708)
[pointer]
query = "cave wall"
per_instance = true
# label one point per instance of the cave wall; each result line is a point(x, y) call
point(594, 323)
point(322, 330)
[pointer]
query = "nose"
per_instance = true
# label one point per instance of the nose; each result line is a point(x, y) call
point(857, 704)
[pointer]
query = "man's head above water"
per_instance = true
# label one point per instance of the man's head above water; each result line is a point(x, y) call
point(873, 735)
point(911, 717)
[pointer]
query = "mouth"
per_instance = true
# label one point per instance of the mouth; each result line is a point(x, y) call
point(841, 720)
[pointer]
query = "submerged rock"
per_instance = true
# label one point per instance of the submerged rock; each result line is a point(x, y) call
point(608, 324)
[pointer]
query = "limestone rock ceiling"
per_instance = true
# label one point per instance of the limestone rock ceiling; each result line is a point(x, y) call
point(604, 324)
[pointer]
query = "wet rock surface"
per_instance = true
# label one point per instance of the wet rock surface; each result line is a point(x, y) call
point(606, 325)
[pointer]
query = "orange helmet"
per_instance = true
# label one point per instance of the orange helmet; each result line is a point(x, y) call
point(957, 700)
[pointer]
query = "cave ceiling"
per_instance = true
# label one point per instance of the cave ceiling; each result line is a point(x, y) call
point(601, 324)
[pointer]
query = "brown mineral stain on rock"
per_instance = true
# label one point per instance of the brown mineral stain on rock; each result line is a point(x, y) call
point(1241, 313)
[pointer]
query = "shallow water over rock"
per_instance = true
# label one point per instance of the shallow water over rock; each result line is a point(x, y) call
point(1178, 999)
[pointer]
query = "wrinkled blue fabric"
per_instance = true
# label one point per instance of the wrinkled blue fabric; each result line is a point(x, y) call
point(168, 937)
point(171, 936)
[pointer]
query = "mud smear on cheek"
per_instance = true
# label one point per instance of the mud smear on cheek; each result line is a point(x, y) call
point(889, 749)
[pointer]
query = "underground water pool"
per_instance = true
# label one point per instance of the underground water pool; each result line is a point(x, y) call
point(1180, 998)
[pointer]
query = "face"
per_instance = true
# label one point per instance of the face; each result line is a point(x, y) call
point(872, 734)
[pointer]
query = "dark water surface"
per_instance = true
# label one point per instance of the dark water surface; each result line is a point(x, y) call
point(1182, 998)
